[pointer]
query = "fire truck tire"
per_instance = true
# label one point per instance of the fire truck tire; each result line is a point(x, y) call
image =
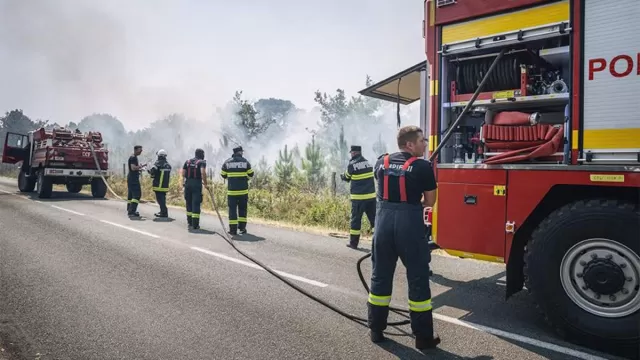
point(582, 267)
point(74, 188)
point(98, 188)
point(26, 184)
point(45, 186)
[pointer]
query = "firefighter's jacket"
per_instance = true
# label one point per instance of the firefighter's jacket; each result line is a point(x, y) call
point(161, 174)
point(237, 170)
point(360, 173)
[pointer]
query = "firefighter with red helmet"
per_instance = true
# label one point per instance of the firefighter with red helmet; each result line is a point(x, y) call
point(406, 183)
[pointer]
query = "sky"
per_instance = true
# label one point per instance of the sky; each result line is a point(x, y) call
point(140, 60)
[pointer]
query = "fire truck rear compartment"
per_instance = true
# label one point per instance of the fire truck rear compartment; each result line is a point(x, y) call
point(520, 115)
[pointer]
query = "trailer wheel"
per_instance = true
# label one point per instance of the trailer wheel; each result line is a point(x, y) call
point(45, 186)
point(98, 188)
point(74, 188)
point(582, 266)
point(26, 184)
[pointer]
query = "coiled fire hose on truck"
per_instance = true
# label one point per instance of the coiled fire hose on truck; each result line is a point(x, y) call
point(225, 236)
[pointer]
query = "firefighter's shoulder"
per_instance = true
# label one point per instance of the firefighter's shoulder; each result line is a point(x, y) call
point(381, 156)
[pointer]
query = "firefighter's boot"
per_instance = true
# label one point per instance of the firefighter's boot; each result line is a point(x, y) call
point(376, 336)
point(423, 343)
point(189, 221)
point(195, 223)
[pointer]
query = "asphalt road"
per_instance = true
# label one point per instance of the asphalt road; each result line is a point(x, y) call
point(80, 280)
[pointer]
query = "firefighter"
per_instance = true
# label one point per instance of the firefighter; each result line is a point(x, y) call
point(363, 193)
point(133, 182)
point(194, 175)
point(404, 178)
point(161, 174)
point(237, 170)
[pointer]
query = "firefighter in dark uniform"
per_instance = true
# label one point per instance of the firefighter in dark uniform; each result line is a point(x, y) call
point(194, 173)
point(404, 178)
point(161, 174)
point(133, 182)
point(363, 193)
point(237, 170)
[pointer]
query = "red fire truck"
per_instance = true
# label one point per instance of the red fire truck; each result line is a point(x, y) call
point(532, 112)
point(58, 156)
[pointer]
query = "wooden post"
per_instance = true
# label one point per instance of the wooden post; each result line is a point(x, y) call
point(124, 170)
point(333, 183)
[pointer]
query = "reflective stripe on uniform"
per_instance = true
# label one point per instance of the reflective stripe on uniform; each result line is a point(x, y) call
point(347, 175)
point(223, 173)
point(237, 192)
point(233, 222)
point(237, 174)
point(356, 177)
point(363, 196)
point(420, 306)
point(195, 216)
point(354, 232)
point(135, 201)
point(250, 171)
point(242, 219)
point(379, 300)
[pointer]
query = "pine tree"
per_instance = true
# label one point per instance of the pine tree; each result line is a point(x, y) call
point(313, 165)
point(284, 169)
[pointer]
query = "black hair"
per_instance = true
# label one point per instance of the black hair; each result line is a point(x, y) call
point(199, 153)
point(137, 147)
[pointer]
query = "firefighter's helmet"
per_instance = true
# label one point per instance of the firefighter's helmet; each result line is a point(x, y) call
point(162, 153)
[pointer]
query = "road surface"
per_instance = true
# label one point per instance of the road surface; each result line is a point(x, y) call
point(80, 280)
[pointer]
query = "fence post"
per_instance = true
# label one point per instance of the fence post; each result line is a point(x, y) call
point(333, 183)
point(124, 170)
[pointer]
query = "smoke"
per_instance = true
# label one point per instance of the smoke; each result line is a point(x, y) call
point(63, 60)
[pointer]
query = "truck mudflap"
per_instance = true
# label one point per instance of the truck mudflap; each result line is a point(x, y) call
point(75, 172)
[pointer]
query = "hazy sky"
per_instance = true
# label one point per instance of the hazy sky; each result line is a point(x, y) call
point(64, 59)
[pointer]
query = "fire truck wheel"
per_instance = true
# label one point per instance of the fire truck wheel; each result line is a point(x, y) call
point(74, 188)
point(45, 186)
point(26, 184)
point(98, 188)
point(582, 266)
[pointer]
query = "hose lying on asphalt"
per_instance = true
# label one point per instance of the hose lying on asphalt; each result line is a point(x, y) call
point(225, 236)
point(357, 319)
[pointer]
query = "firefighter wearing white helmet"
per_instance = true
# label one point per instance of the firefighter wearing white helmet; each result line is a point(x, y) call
point(161, 173)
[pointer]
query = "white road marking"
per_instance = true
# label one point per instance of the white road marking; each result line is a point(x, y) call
point(67, 210)
point(516, 337)
point(131, 229)
point(255, 266)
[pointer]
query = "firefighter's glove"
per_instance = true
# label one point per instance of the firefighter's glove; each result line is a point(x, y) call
point(344, 178)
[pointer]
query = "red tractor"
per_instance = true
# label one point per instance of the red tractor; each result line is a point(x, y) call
point(58, 156)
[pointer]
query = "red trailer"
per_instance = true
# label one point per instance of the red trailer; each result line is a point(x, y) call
point(533, 114)
point(58, 156)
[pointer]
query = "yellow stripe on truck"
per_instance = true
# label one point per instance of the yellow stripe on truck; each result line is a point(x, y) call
point(611, 138)
point(523, 19)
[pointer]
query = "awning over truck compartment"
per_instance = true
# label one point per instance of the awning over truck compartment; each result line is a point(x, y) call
point(387, 89)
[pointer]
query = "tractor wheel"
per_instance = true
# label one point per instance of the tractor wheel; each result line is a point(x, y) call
point(98, 188)
point(45, 186)
point(74, 188)
point(582, 266)
point(26, 184)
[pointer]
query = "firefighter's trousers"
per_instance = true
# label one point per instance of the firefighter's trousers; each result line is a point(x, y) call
point(161, 199)
point(134, 193)
point(358, 208)
point(237, 212)
point(400, 233)
point(193, 200)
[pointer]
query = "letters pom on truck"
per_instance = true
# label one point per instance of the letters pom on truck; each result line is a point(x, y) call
point(532, 111)
point(58, 156)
